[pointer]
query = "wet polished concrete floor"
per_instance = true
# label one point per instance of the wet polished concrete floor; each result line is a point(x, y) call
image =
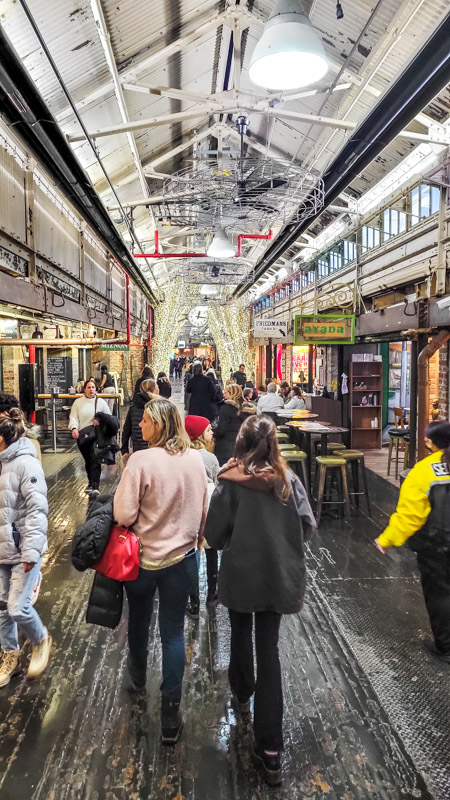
point(366, 710)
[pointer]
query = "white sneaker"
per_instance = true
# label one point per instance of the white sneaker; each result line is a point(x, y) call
point(35, 592)
point(9, 666)
point(39, 657)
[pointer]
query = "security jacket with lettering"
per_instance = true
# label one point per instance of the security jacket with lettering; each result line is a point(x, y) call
point(423, 509)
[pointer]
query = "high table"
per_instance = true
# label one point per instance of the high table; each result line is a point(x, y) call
point(308, 428)
point(54, 396)
point(297, 414)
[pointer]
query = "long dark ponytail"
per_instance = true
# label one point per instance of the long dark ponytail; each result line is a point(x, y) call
point(257, 449)
point(439, 433)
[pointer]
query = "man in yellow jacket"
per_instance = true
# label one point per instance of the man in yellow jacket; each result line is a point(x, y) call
point(423, 512)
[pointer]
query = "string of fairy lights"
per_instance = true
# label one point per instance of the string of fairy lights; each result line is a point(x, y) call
point(178, 298)
point(229, 325)
point(230, 328)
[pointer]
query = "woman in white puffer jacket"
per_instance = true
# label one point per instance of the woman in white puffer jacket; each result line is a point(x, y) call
point(23, 542)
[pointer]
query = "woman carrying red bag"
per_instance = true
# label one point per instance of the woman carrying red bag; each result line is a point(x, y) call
point(155, 485)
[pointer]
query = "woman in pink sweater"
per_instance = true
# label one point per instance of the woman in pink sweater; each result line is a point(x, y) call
point(155, 485)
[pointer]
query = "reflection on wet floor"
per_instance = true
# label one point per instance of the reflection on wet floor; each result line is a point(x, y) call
point(77, 732)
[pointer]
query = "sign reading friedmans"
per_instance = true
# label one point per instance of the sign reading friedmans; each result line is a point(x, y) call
point(270, 328)
point(324, 329)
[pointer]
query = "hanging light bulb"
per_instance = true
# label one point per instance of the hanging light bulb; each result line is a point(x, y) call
point(289, 54)
point(221, 246)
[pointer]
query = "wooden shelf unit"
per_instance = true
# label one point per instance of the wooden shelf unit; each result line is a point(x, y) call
point(370, 374)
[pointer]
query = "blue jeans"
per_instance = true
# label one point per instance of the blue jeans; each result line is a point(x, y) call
point(173, 584)
point(16, 587)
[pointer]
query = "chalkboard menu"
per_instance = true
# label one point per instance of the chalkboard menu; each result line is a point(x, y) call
point(59, 373)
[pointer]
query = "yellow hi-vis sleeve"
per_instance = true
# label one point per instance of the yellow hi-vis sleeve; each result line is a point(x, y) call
point(412, 509)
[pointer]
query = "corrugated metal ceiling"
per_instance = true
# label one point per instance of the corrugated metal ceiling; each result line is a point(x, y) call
point(355, 45)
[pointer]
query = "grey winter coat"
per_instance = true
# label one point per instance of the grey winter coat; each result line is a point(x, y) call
point(23, 504)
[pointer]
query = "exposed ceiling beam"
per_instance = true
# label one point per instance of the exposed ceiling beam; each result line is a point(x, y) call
point(205, 111)
point(164, 119)
point(174, 151)
point(105, 40)
point(167, 91)
point(210, 24)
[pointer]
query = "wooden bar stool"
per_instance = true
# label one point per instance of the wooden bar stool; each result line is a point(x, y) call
point(296, 460)
point(282, 437)
point(396, 439)
point(283, 428)
point(287, 446)
point(325, 463)
point(356, 459)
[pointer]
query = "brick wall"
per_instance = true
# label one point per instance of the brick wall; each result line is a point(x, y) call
point(443, 382)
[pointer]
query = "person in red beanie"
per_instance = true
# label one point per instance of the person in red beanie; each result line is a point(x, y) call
point(200, 433)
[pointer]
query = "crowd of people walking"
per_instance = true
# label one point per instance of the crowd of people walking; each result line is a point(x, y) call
point(213, 482)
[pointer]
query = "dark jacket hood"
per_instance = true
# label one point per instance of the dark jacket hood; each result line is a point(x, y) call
point(141, 399)
point(260, 481)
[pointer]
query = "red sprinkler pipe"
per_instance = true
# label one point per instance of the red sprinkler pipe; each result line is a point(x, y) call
point(157, 254)
point(32, 360)
point(241, 236)
point(250, 236)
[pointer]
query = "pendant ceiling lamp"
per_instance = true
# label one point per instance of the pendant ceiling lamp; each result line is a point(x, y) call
point(289, 54)
point(221, 246)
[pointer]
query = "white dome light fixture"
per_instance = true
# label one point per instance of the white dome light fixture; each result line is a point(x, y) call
point(289, 54)
point(221, 246)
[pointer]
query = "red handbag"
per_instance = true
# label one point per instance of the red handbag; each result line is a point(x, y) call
point(120, 559)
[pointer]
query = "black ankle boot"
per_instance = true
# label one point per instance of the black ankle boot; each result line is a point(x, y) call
point(171, 721)
point(270, 765)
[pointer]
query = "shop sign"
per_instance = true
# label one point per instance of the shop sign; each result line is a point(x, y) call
point(181, 343)
point(8, 329)
point(13, 262)
point(115, 347)
point(270, 328)
point(324, 329)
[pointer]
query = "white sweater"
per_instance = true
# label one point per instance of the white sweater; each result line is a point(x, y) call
point(83, 411)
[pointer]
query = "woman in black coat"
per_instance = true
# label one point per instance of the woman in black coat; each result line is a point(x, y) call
point(164, 385)
point(202, 394)
point(145, 375)
point(211, 374)
point(230, 420)
point(131, 429)
point(258, 516)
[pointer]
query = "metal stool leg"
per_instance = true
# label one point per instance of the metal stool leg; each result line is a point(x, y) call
point(355, 482)
point(304, 477)
point(397, 442)
point(391, 442)
point(322, 479)
point(405, 457)
point(366, 488)
point(346, 497)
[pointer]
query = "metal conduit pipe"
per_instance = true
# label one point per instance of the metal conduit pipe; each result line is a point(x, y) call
point(422, 395)
point(424, 77)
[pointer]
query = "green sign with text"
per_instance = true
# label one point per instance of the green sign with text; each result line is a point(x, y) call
point(121, 347)
point(324, 329)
